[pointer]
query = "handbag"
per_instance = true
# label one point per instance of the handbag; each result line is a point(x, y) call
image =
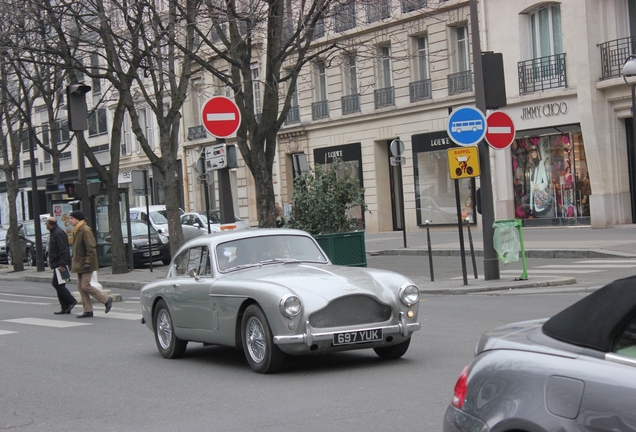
point(541, 200)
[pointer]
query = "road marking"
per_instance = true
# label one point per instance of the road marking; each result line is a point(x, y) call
point(535, 270)
point(6, 332)
point(25, 302)
point(46, 322)
point(598, 266)
point(27, 296)
point(119, 315)
point(606, 261)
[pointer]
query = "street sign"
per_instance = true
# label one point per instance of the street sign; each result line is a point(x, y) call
point(215, 157)
point(397, 160)
point(466, 126)
point(463, 162)
point(397, 147)
point(500, 130)
point(221, 117)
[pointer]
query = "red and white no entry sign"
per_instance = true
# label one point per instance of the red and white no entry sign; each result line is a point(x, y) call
point(221, 117)
point(500, 130)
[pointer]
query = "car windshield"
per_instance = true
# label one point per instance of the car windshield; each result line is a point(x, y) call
point(159, 217)
point(136, 229)
point(215, 216)
point(3, 235)
point(29, 229)
point(262, 250)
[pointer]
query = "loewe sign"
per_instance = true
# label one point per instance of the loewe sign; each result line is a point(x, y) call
point(547, 110)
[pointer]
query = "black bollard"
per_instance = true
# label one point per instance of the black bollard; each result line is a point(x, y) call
point(472, 249)
point(430, 253)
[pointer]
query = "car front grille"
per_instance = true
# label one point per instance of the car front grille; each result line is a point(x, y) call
point(350, 310)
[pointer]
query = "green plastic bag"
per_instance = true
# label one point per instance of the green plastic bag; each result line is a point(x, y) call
point(506, 241)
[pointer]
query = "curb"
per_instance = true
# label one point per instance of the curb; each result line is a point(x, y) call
point(466, 289)
point(534, 253)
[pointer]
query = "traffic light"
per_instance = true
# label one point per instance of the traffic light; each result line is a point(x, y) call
point(71, 189)
point(76, 106)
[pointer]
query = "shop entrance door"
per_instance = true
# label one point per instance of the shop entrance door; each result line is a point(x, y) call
point(397, 193)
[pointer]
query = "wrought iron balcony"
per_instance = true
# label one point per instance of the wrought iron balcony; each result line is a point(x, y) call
point(378, 10)
point(420, 90)
point(196, 133)
point(460, 82)
point(542, 73)
point(293, 115)
point(350, 104)
point(320, 110)
point(614, 54)
point(384, 97)
point(411, 5)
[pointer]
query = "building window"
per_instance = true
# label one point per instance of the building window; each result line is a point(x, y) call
point(97, 87)
point(145, 123)
point(256, 89)
point(420, 89)
point(351, 97)
point(345, 16)
point(60, 133)
point(46, 141)
point(384, 94)
point(299, 164)
point(461, 56)
point(126, 136)
point(411, 5)
point(97, 123)
point(293, 115)
point(196, 101)
point(547, 37)
point(320, 108)
point(379, 10)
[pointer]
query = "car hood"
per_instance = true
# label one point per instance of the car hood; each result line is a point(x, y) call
point(319, 284)
point(521, 336)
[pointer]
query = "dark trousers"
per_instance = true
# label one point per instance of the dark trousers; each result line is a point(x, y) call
point(63, 294)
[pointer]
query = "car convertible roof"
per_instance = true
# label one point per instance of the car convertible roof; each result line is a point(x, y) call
point(595, 320)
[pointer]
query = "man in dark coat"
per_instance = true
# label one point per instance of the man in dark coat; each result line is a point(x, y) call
point(59, 259)
point(84, 263)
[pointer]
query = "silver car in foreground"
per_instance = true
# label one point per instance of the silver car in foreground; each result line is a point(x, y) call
point(272, 293)
point(573, 372)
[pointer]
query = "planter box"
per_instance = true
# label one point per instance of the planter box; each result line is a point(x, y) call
point(344, 248)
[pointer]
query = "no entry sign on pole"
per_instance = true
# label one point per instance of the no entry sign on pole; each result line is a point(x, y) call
point(500, 130)
point(221, 117)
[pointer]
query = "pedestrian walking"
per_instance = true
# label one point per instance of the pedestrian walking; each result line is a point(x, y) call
point(59, 262)
point(84, 263)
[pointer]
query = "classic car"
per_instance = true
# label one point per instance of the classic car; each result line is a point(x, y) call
point(272, 293)
point(573, 372)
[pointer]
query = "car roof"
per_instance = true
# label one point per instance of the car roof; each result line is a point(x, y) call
point(224, 236)
point(595, 321)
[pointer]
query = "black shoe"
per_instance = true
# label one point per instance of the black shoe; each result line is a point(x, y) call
point(62, 312)
point(70, 307)
point(109, 304)
point(85, 315)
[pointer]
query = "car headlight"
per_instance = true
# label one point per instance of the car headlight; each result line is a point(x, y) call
point(164, 238)
point(409, 294)
point(290, 305)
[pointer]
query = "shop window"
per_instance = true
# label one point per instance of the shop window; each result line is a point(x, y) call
point(550, 177)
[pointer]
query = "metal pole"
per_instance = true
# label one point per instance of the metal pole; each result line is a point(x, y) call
point(207, 200)
point(491, 263)
point(402, 203)
point(633, 152)
point(461, 232)
point(472, 249)
point(430, 252)
point(148, 215)
point(39, 259)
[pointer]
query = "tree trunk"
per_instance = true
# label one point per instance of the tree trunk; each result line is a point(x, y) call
point(118, 248)
point(265, 198)
point(16, 251)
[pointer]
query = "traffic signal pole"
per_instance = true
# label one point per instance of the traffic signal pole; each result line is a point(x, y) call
point(491, 263)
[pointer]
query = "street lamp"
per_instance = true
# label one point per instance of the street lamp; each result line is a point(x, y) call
point(629, 70)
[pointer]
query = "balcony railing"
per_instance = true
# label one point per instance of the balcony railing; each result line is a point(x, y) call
point(411, 5)
point(378, 10)
point(345, 17)
point(320, 110)
point(542, 73)
point(196, 133)
point(384, 97)
point(293, 115)
point(420, 90)
point(350, 104)
point(614, 54)
point(460, 82)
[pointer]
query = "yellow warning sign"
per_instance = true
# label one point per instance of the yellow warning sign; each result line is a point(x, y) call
point(463, 162)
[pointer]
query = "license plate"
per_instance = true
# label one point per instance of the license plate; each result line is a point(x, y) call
point(154, 253)
point(355, 337)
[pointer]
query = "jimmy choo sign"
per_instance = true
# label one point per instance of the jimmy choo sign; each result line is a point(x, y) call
point(546, 110)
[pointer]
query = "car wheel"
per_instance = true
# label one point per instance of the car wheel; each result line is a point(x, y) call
point(393, 351)
point(258, 344)
point(31, 257)
point(169, 345)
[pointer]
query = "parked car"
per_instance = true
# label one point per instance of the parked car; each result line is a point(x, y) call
point(26, 231)
point(158, 218)
point(272, 293)
point(3, 247)
point(573, 372)
point(195, 224)
point(140, 250)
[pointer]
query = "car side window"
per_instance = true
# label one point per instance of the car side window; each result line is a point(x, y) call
point(187, 220)
point(181, 264)
point(626, 342)
point(199, 260)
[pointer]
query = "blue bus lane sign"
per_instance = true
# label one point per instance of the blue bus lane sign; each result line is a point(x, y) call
point(466, 126)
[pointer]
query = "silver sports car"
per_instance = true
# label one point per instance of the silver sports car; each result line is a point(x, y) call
point(273, 292)
point(573, 372)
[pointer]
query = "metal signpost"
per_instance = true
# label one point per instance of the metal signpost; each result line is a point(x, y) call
point(397, 150)
point(140, 182)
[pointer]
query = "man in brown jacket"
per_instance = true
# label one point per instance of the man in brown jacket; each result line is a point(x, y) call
point(84, 263)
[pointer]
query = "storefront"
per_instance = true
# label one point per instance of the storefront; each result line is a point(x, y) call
point(550, 177)
point(434, 190)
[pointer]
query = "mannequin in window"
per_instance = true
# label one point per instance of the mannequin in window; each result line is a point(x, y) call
point(535, 171)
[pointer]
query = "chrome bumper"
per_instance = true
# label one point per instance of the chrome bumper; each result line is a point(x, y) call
point(309, 337)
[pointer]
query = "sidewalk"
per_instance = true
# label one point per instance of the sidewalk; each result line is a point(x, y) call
point(561, 242)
